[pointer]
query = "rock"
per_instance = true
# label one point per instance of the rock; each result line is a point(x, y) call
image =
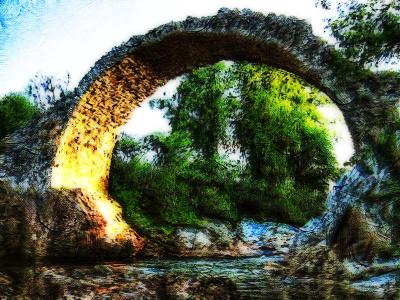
point(179, 287)
point(177, 280)
point(53, 226)
point(250, 238)
point(5, 285)
point(273, 268)
point(214, 240)
point(273, 237)
point(353, 239)
point(353, 225)
point(378, 267)
point(319, 260)
point(386, 285)
point(117, 282)
point(222, 233)
point(102, 270)
point(193, 238)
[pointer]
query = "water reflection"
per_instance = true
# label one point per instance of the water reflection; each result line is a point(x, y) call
point(244, 278)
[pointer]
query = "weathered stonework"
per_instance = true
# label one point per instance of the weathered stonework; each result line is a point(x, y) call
point(70, 147)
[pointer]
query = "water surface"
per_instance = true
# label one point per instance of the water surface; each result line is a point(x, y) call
point(241, 278)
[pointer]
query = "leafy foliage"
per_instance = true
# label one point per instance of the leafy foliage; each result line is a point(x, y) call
point(367, 31)
point(42, 92)
point(202, 106)
point(269, 116)
point(173, 192)
point(325, 4)
point(15, 111)
point(279, 130)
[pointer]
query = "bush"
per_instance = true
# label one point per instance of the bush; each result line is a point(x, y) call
point(15, 111)
point(217, 205)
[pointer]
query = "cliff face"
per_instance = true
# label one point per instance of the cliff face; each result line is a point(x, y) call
point(357, 236)
point(64, 155)
point(354, 207)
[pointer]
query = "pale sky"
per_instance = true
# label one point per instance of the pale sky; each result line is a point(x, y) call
point(55, 36)
point(58, 36)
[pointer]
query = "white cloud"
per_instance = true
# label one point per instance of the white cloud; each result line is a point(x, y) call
point(342, 142)
point(145, 120)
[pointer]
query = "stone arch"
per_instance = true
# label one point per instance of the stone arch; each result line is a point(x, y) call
point(76, 138)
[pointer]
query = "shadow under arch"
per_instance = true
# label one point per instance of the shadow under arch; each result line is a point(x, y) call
point(89, 124)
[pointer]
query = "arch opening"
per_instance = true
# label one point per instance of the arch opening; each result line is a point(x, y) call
point(160, 173)
point(84, 150)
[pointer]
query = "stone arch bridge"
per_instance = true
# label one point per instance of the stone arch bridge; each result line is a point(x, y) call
point(70, 147)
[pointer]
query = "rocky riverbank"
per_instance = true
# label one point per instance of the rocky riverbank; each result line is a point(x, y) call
point(216, 239)
point(349, 249)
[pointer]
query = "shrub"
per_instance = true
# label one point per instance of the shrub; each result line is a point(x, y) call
point(15, 111)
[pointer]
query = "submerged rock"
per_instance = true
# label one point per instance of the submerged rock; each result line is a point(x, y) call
point(240, 278)
point(318, 261)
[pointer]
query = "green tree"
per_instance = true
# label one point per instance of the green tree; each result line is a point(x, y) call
point(202, 106)
point(15, 111)
point(268, 115)
point(288, 149)
point(171, 149)
point(367, 31)
point(279, 129)
point(175, 189)
point(129, 148)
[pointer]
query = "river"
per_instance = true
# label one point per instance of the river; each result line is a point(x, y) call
point(240, 278)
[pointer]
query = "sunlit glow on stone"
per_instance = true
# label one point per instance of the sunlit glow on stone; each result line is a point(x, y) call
point(112, 212)
point(85, 165)
point(85, 148)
